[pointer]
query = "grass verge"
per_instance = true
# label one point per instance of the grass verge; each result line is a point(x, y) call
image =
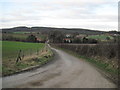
point(110, 72)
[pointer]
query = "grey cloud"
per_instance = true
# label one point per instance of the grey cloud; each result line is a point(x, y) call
point(78, 11)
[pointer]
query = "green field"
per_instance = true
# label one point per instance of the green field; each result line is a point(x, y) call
point(100, 37)
point(34, 54)
point(21, 35)
point(21, 32)
point(11, 49)
point(15, 35)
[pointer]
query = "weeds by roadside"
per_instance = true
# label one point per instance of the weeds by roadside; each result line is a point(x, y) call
point(28, 63)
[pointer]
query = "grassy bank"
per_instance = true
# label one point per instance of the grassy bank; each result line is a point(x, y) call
point(32, 54)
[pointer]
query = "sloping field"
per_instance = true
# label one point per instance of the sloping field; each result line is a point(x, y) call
point(10, 49)
point(101, 37)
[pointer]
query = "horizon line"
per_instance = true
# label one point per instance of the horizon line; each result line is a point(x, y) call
point(57, 27)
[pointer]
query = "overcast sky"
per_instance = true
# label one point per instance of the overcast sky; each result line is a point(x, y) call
point(88, 14)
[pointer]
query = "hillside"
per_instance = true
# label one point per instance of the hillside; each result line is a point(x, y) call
point(48, 29)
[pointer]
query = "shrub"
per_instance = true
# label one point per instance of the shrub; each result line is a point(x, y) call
point(31, 38)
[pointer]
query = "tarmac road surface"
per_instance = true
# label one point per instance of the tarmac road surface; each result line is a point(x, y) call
point(65, 71)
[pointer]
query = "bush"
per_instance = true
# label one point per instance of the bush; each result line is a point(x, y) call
point(89, 40)
point(32, 38)
point(77, 40)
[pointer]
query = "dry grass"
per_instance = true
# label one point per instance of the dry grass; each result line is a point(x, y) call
point(38, 58)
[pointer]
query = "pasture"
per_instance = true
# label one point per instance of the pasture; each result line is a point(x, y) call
point(21, 32)
point(11, 49)
point(21, 36)
point(34, 54)
point(101, 37)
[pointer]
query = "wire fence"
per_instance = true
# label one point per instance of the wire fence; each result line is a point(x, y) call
point(25, 54)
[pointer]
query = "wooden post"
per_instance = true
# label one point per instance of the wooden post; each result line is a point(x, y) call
point(19, 57)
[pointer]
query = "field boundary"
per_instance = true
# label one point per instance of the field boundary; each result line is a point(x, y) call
point(30, 68)
point(42, 60)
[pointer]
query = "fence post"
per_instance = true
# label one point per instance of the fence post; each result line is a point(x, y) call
point(19, 57)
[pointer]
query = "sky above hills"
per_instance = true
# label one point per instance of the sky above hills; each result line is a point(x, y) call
point(89, 14)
